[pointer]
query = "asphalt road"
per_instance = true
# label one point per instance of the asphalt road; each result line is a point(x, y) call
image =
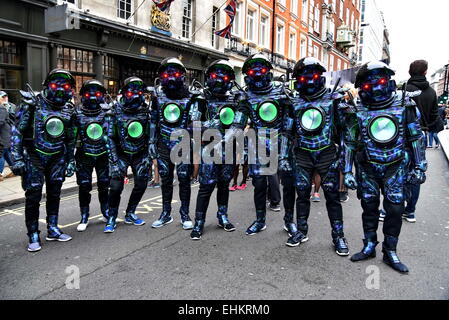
point(145, 263)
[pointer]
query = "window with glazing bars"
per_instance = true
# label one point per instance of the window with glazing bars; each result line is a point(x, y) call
point(187, 18)
point(123, 9)
point(75, 60)
point(9, 52)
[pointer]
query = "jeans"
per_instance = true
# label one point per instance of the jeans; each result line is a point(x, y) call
point(433, 136)
point(5, 156)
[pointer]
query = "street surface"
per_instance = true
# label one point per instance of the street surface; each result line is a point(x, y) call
point(145, 263)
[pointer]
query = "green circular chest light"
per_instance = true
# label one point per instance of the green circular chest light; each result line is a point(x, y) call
point(54, 127)
point(227, 116)
point(268, 112)
point(94, 131)
point(311, 119)
point(383, 129)
point(172, 113)
point(135, 129)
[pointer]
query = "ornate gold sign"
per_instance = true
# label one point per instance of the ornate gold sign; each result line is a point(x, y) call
point(160, 19)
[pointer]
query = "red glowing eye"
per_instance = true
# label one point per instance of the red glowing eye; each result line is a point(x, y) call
point(165, 75)
point(226, 78)
point(383, 81)
point(302, 79)
point(140, 93)
point(53, 86)
point(264, 70)
point(67, 87)
point(98, 94)
point(214, 76)
point(366, 87)
point(251, 72)
point(177, 74)
point(87, 95)
point(129, 94)
point(316, 76)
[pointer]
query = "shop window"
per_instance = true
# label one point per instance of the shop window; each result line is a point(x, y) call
point(78, 62)
point(9, 53)
point(111, 75)
point(11, 69)
point(75, 60)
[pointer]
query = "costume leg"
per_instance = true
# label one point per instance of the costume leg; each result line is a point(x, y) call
point(84, 169)
point(184, 172)
point(288, 197)
point(140, 183)
point(303, 178)
point(224, 177)
point(166, 169)
point(54, 177)
point(260, 195)
point(103, 181)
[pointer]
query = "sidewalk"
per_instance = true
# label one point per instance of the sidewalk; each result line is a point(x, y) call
point(443, 136)
point(12, 193)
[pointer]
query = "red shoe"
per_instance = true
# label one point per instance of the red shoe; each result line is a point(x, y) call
point(126, 180)
point(242, 187)
point(233, 188)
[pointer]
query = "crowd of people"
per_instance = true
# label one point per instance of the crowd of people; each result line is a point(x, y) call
point(370, 138)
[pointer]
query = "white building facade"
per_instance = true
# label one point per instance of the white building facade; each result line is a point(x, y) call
point(371, 32)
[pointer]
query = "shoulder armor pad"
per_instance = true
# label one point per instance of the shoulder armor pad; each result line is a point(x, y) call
point(347, 107)
point(27, 98)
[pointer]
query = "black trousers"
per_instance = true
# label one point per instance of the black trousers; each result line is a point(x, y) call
point(140, 183)
point(42, 169)
point(300, 182)
point(204, 195)
point(260, 184)
point(34, 196)
point(274, 190)
point(85, 166)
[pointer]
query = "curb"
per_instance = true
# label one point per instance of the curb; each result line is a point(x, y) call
point(21, 200)
point(64, 191)
point(443, 136)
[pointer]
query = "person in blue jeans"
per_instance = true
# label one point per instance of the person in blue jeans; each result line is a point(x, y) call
point(433, 136)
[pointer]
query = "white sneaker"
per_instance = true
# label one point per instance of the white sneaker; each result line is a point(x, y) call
point(82, 227)
point(187, 225)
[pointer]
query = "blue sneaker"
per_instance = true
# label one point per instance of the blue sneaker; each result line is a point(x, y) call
point(55, 234)
point(35, 242)
point(163, 220)
point(132, 218)
point(111, 225)
point(409, 217)
point(382, 215)
point(255, 228)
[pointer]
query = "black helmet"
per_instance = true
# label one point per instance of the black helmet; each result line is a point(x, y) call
point(171, 61)
point(130, 80)
point(222, 63)
point(58, 73)
point(367, 68)
point(256, 57)
point(308, 62)
point(90, 83)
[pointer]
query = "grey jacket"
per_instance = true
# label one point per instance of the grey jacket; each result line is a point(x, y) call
point(5, 129)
